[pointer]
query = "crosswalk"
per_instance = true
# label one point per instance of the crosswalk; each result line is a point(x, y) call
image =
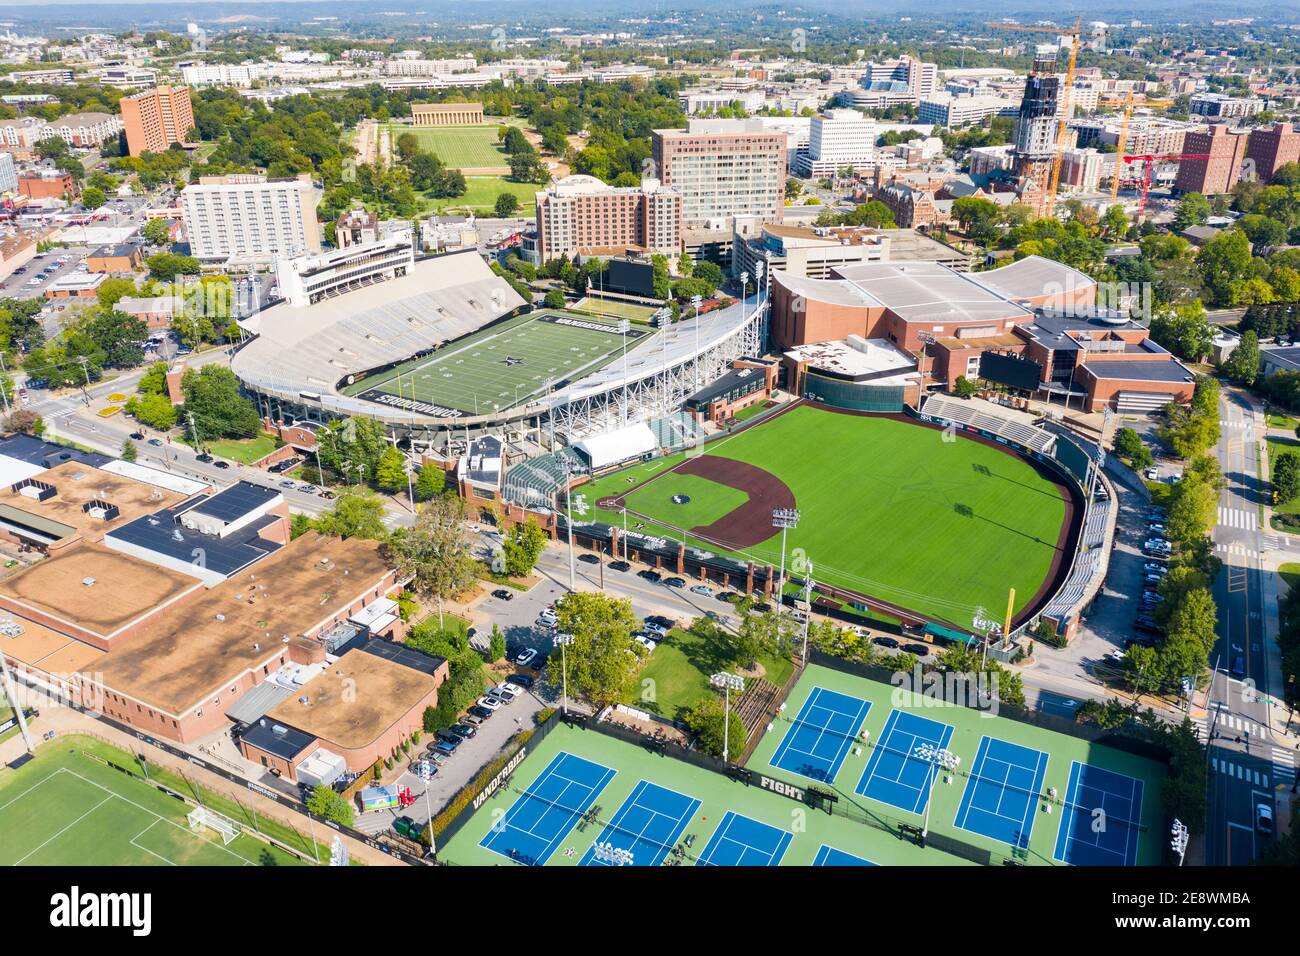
point(1230, 768)
point(1239, 518)
point(1236, 550)
point(1284, 765)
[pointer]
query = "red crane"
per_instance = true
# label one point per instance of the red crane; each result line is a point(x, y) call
point(1150, 159)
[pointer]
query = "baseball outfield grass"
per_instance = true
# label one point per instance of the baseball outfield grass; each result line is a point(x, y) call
point(888, 509)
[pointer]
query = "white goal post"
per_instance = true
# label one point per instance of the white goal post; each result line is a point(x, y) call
point(203, 817)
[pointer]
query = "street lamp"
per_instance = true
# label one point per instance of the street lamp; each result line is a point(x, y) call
point(564, 640)
point(785, 519)
point(728, 683)
point(936, 757)
point(1178, 835)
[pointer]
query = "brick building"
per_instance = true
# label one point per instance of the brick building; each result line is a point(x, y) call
point(1225, 147)
point(157, 118)
point(1272, 147)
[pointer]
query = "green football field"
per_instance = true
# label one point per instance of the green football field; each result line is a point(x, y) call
point(502, 367)
point(617, 309)
point(888, 509)
point(64, 808)
point(461, 147)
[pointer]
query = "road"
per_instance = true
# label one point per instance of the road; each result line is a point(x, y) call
point(1249, 766)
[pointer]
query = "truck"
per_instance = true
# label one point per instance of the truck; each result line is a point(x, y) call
point(405, 826)
point(384, 798)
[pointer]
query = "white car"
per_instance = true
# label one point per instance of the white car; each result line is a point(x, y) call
point(547, 618)
point(645, 642)
point(491, 703)
point(506, 691)
point(525, 656)
point(658, 630)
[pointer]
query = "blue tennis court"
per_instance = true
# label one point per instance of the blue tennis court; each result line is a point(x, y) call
point(829, 856)
point(894, 774)
point(1101, 818)
point(740, 841)
point(820, 737)
point(545, 813)
point(647, 824)
point(1001, 795)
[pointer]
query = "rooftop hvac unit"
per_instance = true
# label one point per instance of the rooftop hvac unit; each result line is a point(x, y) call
point(87, 581)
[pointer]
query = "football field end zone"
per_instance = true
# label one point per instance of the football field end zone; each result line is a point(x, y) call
point(1057, 568)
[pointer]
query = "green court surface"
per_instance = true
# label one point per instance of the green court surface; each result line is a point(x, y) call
point(461, 147)
point(970, 726)
point(502, 367)
point(619, 310)
point(889, 509)
point(810, 829)
point(64, 808)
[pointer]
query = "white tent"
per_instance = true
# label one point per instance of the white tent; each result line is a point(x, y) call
point(610, 448)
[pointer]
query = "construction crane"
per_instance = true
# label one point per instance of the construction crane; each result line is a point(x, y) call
point(1054, 179)
point(1119, 152)
point(1150, 159)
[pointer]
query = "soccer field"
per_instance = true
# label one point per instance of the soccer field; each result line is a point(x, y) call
point(64, 808)
point(502, 367)
point(889, 509)
point(461, 147)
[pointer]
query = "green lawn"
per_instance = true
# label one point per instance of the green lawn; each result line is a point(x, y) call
point(243, 450)
point(481, 195)
point(617, 309)
point(1277, 420)
point(889, 509)
point(677, 675)
point(749, 412)
point(1277, 444)
point(67, 809)
point(461, 147)
point(1290, 573)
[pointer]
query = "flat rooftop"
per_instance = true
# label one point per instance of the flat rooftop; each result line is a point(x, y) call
point(929, 292)
point(355, 700)
point(1034, 276)
point(79, 487)
point(122, 588)
point(241, 623)
point(1154, 370)
point(857, 358)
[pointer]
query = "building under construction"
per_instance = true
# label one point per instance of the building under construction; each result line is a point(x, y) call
point(1036, 122)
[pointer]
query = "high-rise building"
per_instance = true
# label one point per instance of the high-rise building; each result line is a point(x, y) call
point(1225, 147)
point(1036, 121)
point(581, 214)
point(1272, 147)
point(247, 217)
point(904, 80)
point(836, 139)
point(157, 118)
point(723, 169)
point(8, 175)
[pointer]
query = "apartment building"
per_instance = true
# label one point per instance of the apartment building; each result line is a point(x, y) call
point(890, 82)
point(1226, 149)
point(722, 169)
point(836, 139)
point(238, 75)
point(420, 67)
point(20, 136)
point(1222, 106)
point(83, 129)
point(129, 77)
point(248, 217)
point(1272, 147)
point(157, 118)
point(8, 175)
point(953, 112)
point(581, 214)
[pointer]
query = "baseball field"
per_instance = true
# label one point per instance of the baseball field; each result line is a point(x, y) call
point(897, 511)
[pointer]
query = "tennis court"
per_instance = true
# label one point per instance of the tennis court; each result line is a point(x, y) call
point(502, 367)
point(1101, 819)
point(740, 841)
point(895, 774)
point(820, 736)
point(1001, 794)
point(829, 856)
point(544, 814)
point(647, 825)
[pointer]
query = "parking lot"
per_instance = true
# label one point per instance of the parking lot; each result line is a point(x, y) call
point(25, 281)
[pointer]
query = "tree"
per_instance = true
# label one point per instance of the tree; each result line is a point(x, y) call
point(112, 290)
point(431, 481)
point(121, 337)
point(1286, 477)
point(434, 553)
point(166, 266)
point(325, 801)
point(707, 724)
point(1223, 262)
point(964, 387)
point(496, 644)
point(356, 514)
point(507, 205)
point(352, 447)
point(153, 409)
point(1184, 330)
point(979, 218)
point(523, 546)
point(603, 658)
point(213, 398)
point(390, 470)
point(554, 299)
point(24, 421)
point(128, 450)
point(1193, 210)
point(1243, 364)
point(154, 380)
point(92, 197)
point(155, 232)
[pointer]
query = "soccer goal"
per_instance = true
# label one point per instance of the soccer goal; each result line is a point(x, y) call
point(203, 817)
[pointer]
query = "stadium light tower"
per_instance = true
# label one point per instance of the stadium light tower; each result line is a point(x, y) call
point(564, 640)
point(936, 757)
point(807, 616)
point(1178, 834)
point(568, 520)
point(623, 326)
point(925, 338)
point(785, 519)
point(695, 304)
point(727, 683)
point(744, 286)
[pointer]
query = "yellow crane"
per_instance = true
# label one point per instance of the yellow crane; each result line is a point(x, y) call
point(1054, 179)
point(1120, 147)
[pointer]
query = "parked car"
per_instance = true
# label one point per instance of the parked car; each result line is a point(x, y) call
point(589, 558)
point(665, 622)
point(658, 630)
point(525, 656)
point(479, 711)
point(523, 680)
point(489, 703)
point(506, 692)
point(156, 442)
point(448, 746)
point(1238, 666)
point(675, 582)
point(205, 458)
point(646, 642)
point(1264, 818)
point(885, 642)
point(503, 594)
point(702, 589)
point(463, 730)
point(619, 566)
point(546, 619)
point(1152, 567)
point(223, 464)
point(652, 576)
point(730, 597)
point(920, 650)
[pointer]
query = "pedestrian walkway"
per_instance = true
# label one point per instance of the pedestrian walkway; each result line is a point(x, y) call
point(1284, 765)
point(1238, 518)
point(1236, 550)
point(1230, 768)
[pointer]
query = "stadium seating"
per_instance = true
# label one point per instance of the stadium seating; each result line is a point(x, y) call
point(968, 413)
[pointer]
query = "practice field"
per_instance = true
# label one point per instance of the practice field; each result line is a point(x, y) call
point(66, 809)
point(501, 367)
point(889, 508)
point(460, 147)
point(665, 812)
point(1000, 796)
point(616, 309)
